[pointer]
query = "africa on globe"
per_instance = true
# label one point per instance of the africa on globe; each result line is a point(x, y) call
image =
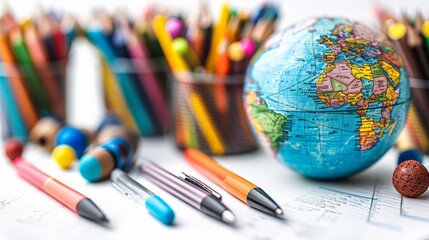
point(327, 96)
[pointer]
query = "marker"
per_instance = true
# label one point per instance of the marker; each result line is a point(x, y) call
point(154, 204)
point(239, 187)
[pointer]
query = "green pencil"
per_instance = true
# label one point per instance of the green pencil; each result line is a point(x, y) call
point(35, 87)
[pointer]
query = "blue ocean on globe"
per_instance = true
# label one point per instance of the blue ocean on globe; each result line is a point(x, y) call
point(327, 96)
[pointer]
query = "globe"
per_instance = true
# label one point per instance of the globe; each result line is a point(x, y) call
point(326, 96)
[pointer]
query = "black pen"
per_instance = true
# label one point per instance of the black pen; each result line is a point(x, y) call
point(197, 198)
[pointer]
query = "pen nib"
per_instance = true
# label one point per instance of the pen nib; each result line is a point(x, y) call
point(279, 212)
point(228, 217)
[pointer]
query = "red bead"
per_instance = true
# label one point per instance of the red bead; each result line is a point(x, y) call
point(13, 148)
point(410, 178)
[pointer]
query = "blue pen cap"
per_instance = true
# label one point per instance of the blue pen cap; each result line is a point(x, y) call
point(160, 209)
point(73, 137)
point(122, 151)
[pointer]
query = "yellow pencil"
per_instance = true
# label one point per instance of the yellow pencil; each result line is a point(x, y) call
point(176, 63)
point(417, 131)
point(114, 97)
point(218, 34)
point(206, 125)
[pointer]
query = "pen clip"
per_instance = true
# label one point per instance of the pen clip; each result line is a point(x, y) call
point(201, 185)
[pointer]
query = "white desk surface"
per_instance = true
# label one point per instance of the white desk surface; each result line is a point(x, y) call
point(331, 210)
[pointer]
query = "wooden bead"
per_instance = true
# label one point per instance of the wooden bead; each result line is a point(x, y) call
point(44, 132)
point(411, 178)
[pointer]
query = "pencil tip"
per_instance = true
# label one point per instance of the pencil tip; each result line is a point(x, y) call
point(104, 220)
point(228, 217)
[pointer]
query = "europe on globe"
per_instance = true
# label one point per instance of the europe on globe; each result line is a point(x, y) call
point(327, 96)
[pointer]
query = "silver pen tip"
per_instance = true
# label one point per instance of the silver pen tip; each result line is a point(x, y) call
point(228, 217)
point(279, 212)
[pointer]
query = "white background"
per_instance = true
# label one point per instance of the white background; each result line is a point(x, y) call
point(130, 220)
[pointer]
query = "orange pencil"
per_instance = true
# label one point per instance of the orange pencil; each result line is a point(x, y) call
point(222, 70)
point(26, 106)
point(239, 187)
point(41, 62)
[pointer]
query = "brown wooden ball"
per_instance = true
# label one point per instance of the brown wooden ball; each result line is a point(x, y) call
point(410, 179)
point(13, 148)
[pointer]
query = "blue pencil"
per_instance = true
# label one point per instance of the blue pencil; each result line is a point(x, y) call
point(138, 111)
point(14, 118)
point(5, 133)
point(70, 35)
point(119, 43)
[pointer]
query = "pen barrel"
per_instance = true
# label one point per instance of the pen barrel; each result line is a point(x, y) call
point(64, 194)
point(234, 184)
point(174, 185)
point(30, 173)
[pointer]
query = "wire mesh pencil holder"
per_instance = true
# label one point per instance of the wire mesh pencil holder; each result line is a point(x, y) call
point(208, 113)
point(135, 91)
point(29, 92)
point(415, 134)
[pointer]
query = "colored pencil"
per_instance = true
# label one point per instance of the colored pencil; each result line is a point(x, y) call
point(23, 98)
point(31, 76)
point(139, 113)
point(114, 98)
point(148, 78)
point(203, 119)
point(46, 72)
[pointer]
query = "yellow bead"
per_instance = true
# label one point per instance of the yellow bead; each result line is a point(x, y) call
point(396, 31)
point(64, 156)
point(235, 52)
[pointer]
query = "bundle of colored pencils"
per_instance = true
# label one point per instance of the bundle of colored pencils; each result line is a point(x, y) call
point(410, 36)
point(33, 58)
point(134, 71)
point(208, 61)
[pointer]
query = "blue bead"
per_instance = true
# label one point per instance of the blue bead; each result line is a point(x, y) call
point(74, 138)
point(411, 154)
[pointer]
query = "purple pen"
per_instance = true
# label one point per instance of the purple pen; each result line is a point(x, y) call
point(195, 197)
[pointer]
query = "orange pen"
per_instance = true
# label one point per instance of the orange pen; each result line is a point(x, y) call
point(239, 187)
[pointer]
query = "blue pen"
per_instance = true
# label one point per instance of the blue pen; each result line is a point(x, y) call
point(154, 204)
